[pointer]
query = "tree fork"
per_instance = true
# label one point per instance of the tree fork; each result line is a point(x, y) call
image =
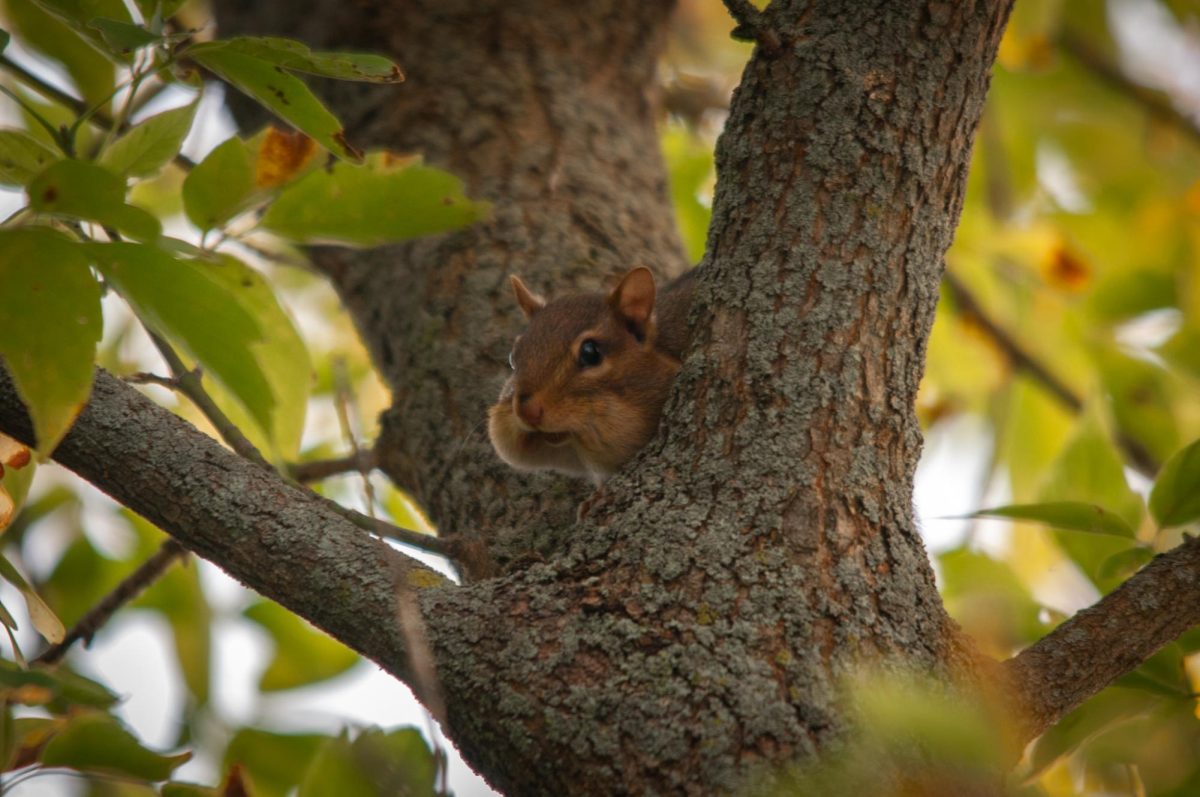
point(696, 620)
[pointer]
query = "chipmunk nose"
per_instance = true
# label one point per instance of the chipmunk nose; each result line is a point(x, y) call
point(530, 409)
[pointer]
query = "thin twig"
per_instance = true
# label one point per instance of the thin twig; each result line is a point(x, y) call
point(442, 546)
point(1153, 101)
point(145, 378)
point(98, 118)
point(129, 588)
point(342, 397)
point(1139, 457)
point(188, 382)
point(364, 459)
point(53, 93)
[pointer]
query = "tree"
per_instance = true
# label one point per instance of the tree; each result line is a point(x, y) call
point(690, 623)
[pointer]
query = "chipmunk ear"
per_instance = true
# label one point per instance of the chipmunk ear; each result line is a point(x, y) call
point(633, 300)
point(530, 302)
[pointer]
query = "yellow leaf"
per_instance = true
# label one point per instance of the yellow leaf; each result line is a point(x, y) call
point(281, 155)
point(44, 619)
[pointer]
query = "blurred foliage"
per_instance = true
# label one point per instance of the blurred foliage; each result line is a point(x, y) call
point(1078, 257)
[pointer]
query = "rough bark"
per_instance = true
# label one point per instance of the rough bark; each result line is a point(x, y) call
point(545, 109)
point(688, 628)
point(695, 620)
point(1105, 641)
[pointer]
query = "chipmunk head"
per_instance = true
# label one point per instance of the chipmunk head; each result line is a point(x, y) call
point(587, 379)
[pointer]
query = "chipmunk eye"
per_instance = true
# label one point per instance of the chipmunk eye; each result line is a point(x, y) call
point(589, 354)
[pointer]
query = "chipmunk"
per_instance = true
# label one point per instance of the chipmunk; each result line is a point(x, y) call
point(590, 375)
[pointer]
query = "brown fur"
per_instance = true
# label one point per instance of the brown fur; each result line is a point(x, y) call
point(553, 414)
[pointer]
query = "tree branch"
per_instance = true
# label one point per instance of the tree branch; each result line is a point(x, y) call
point(1106, 640)
point(189, 383)
point(272, 536)
point(1153, 101)
point(129, 588)
point(318, 469)
point(968, 306)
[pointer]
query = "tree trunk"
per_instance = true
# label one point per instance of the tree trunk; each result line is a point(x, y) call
point(693, 622)
point(545, 109)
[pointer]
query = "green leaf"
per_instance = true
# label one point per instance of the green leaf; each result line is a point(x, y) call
point(273, 762)
point(303, 655)
point(1110, 707)
point(90, 192)
point(1089, 470)
point(1073, 515)
point(80, 14)
point(179, 789)
point(281, 93)
point(281, 353)
point(1175, 499)
point(1123, 564)
point(7, 619)
point(150, 144)
point(96, 742)
point(1164, 673)
point(380, 202)
point(183, 301)
point(50, 306)
point(92, 72)
point(43, 619)
point(218, 188)
point(22, 157)
point(81, 577)
point(397, 762)
point(64, 689)
point(122, 38)
point(985, 595)
point(1182, 350)
point(1140, 400)
point(335, 771)
point(296, 57)
point(29, 736)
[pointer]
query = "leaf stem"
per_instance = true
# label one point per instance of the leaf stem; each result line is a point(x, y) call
point(188, 382)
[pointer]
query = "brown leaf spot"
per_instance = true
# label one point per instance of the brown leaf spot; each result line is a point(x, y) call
point(1066, 270)
point(13, 454)
point(50, 194)
point(282, 154)
point(340, 138)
